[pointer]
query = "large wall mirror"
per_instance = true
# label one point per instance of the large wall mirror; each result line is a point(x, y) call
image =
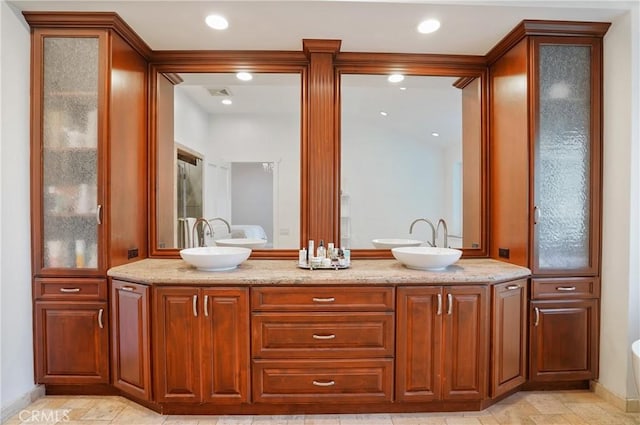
point(227, 150)
point(410, 150)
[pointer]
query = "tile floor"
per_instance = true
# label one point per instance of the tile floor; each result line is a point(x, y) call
point(530, 408)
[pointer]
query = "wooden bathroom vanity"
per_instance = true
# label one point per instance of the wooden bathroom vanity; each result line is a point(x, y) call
point(271, 338)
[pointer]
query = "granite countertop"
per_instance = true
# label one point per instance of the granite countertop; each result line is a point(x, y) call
point(286, 272)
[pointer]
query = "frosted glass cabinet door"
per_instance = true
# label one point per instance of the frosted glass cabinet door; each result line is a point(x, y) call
point(70, 211)
point(564, 152)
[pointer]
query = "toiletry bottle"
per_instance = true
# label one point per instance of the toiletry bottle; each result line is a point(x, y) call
point(302, 257)
point(347, 256)
point(80, 245)
point(331, 250)
point(321, 250)
point(310, 250)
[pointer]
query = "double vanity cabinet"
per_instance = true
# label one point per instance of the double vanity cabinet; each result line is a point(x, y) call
point(377, 337)
point(269, 337)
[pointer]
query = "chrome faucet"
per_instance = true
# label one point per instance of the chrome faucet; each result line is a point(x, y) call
point(222, 220)
point(446, 232)
point(200, 238)
point(433, 230)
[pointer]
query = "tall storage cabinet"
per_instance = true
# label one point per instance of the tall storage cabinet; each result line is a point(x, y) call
point(88, 184)
point(545, 162)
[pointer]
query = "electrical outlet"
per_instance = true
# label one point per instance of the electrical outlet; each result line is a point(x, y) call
point(132, 253)
point(503, 252)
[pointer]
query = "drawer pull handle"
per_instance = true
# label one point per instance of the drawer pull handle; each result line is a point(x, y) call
point(537, 312)
point(324, 384)
point(566, 288)
point(439, 305)
point(100, 318)
point(69, 290)
point(331, 336)
point(195, 306)
point(450, 304)
point(206, 305)
point(512, 287)
point(323, 300)
point(127, 288)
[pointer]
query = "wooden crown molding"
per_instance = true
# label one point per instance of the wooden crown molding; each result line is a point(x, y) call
point(310, 46)
point(531, 27)
point(98, 20)
point(248, 59)
point(463, 82)
point(174, 78)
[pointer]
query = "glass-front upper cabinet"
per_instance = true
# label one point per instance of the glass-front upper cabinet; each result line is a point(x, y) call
point(67, 229)
point(566, 156)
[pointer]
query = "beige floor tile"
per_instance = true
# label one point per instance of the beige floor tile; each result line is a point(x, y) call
point(139, 416)
point(104, 410)
point(488, 420)
point(278, 420)
point(419, 419)
point(235, 420)
point(322, 420)
point(191, 420)
point(366, 419)
point(463, 420)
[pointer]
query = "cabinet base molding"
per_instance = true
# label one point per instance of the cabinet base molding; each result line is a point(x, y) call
point(556, 386)
point(92, 389)
point(317, 408)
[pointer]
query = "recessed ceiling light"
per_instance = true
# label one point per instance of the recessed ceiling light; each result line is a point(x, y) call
point(383, 113)
point(226, 101)
point(244, 76)
point(217, 22)
point(428, 26)
point(434, 134)
point(395, 78)
point(403, 88)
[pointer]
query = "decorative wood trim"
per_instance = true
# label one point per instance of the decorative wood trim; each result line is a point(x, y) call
point(322, 182)
point(431, 64)
point(548, 28)
point(173, 78)
point(248, 60)
point(108, 20)
point(463, 82)
point(310, 46)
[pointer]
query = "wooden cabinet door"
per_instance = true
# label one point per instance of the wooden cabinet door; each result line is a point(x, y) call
point(72, 342)
point(177, 345)
point(509, 337)
point(563, 340)
point(465, 330)
point(418, 344)
point(225, 345)
point(130, 347)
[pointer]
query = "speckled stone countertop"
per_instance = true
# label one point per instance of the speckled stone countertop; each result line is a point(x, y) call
point(286, 272)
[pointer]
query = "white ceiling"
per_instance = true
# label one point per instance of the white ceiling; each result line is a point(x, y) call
point(468, 27)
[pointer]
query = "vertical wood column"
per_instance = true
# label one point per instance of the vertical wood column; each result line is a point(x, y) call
point(323, 159)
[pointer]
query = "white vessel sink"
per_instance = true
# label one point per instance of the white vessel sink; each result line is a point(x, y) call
point(426, 257)
point(215, 258)
point(243, 242)
point(389, 243)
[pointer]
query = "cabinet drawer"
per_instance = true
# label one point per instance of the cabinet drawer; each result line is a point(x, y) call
point(321, 335)
point(70, 289)
point(582, 287)
point(300, 381)
point(324, 298)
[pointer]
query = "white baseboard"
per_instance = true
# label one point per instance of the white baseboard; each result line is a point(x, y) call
point(630, 405)
point(22, 402)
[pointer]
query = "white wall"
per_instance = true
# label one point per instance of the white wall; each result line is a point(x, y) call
point(620, 305)
point(191, 122)
point(16, 358)
point(265, 138)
